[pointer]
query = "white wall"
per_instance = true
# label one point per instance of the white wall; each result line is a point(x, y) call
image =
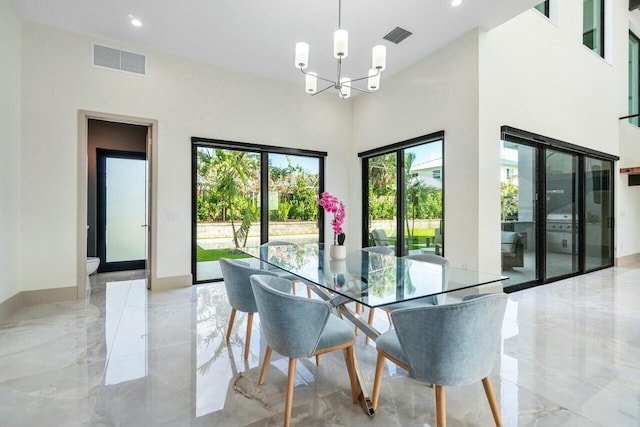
point(10, 82)
point(187, 98)
point(439, 92)
point(627, 198)
point(552, 85)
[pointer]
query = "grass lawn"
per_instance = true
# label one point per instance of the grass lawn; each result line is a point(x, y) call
point(216, 254)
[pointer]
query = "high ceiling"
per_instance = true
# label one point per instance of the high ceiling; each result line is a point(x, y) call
point(259, 36)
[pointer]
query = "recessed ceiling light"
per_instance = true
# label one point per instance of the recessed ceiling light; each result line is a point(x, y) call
point(455, 3)
point(136, 22)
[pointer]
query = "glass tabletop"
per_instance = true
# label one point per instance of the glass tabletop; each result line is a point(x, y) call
point(369, 278)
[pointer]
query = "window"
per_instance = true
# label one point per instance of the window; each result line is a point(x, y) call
point(593, 25)
point(543, 8)
point(403, 196)
point(248, 194)
point(634, 72)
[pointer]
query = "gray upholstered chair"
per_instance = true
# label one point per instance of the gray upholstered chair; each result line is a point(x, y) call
point(445, 345)
point(432, 300)
point(277, 271)
point(236, 281)
point(299, 327)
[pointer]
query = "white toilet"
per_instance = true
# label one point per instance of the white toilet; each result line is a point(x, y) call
point(92, 265)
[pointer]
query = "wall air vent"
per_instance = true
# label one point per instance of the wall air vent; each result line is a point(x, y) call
point(397, 35)
point(121, 60)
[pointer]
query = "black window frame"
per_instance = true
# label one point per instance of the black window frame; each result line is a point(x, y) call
point(264, 151)
point(633, 117)
point(545, 10)
point(398, 148)
point(602, 33)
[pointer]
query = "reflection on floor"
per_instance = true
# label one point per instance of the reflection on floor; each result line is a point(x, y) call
point(128, 357)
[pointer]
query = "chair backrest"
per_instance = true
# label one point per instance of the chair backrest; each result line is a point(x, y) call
point(291, 324)
point(380, 237)
point(236, 281)
point(452, 344)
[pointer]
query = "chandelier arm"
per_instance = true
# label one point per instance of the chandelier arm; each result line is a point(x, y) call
point(355, 88)
point(320, 91)
point(366, 77)
point(318, 77)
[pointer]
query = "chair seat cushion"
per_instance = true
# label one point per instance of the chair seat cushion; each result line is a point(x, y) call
point(388, 342)
point(335, 332)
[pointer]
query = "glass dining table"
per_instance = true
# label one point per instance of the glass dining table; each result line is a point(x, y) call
point(371, 279)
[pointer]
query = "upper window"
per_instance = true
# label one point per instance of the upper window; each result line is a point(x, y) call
point(543, 8)
point(634, 74)
point(593, 25)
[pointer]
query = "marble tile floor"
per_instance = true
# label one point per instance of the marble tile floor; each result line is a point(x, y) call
point(128, 357)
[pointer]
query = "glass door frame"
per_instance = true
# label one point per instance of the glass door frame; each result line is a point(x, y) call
point(264, 151)
point(541, 144)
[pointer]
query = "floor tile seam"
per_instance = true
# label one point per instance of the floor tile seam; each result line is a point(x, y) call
point(548, 399)
point(117, 328)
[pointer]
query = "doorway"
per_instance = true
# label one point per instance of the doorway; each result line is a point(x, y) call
point(116, 159)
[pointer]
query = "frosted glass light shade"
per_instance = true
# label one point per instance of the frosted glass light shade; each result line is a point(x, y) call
point(344, 90)
point(379, 57)
point(373, 82)
point(311, 83)
point(340, 44)
point(302, 55)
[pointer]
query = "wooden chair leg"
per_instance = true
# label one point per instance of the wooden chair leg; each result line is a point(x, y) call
point(265, 363)
point(372, 312)
point(491, 397)
point(441, 406)
point(293, 287)
point(389, 316)
point(358, 310)
point(289, 399)
point(308, 291)
point(233, 316)
point(248, 339)
point(377, 381)
point(317, 360)
point(351, 368)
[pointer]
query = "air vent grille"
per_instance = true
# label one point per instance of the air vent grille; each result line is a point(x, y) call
point(116, 59)
point(397, 35)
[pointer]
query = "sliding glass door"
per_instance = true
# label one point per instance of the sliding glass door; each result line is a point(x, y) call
point(567, 232)
point(518, 238)
point(562, 226)
point(246, 195)
point(403, 196)
point(294, 185)
point(598, 213)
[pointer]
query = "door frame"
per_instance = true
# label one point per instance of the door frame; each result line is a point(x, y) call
point(152, 188)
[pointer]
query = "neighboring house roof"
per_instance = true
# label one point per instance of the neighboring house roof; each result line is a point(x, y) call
point(435, 163)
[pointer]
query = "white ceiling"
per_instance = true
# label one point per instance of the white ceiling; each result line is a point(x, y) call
point(259, 36)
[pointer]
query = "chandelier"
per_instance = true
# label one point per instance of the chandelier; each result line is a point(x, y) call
point(340, 50)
